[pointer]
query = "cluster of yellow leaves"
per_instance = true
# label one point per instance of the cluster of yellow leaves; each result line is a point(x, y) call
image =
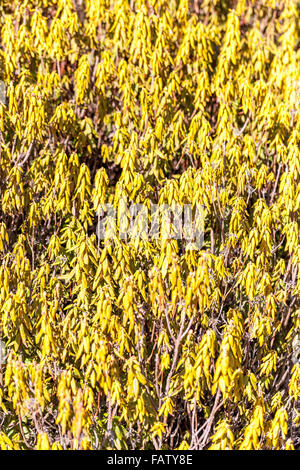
point(142, 343)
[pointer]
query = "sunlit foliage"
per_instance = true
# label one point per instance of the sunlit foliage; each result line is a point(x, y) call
point(141, 344)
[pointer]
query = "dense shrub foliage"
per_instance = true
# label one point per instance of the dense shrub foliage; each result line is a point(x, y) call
point(144, 344)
